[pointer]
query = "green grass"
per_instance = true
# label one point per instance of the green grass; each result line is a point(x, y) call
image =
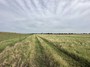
point(24, 50)
point(7, 35)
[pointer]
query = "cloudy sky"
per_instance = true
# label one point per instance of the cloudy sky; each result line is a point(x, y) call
point(31, 16)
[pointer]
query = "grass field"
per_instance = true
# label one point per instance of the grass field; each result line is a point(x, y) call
point(43, 50)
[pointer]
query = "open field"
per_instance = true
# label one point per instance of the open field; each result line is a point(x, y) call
point(43, 50)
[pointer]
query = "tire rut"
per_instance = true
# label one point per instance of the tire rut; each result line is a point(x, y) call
point(46, 59)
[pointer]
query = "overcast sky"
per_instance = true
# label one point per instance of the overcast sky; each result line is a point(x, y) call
point(31, 16)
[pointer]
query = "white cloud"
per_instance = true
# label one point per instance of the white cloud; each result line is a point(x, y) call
point(45, 15)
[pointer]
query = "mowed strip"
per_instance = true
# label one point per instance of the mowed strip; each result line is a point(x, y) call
point(28, 53)
point(56, 59)
point(73, 59)
point(20, 55)
point(43, 57)
point(67, 59)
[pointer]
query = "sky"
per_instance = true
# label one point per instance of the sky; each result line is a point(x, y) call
point(45, 16)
